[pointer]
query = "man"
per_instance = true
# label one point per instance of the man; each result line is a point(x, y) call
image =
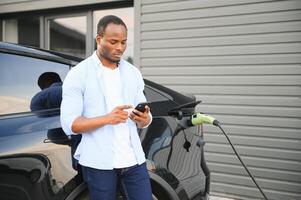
point(50, 95)
point(98, 95)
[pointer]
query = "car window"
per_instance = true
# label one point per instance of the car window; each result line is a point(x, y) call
point(153, 96)
point(160, 102)
point(19, 78)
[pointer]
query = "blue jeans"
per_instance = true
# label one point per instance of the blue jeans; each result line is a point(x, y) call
point(133, 182)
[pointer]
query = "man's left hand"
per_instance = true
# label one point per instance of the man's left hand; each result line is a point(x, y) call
point(142, 119)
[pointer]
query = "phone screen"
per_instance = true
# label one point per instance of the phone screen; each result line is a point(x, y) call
point(141, 107)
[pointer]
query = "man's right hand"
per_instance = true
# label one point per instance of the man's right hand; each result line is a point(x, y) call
point(118, 115)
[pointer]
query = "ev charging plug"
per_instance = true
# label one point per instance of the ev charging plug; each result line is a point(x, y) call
point(199, 118)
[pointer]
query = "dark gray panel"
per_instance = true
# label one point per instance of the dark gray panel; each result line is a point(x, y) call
point(276, 69)
point(242, 58)
point(257, 131)
point(145, 2)
point(240, 90)
point(188, 5)
point(263, 49)
point(245, 143)
point(231, 80)
point(268, 111)
point(267, 38)
point(262, 101)
point(14, 1)
point(283, 186)
point(221, 11)
point(223, 60)
point(267, 173)
point(251, 193)
point(254, 161)
point(247, 148)
point(224, 30)
point(223, 21)
point(272, 122)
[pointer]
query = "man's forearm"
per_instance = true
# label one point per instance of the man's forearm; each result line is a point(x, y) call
point(83, 124)
point(116, 116)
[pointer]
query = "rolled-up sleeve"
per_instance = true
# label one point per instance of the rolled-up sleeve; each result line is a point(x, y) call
point(72, 103)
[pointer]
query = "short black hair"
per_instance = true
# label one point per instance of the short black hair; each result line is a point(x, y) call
point(106, 20)
point(48, 78)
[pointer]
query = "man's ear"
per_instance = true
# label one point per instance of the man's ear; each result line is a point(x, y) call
point(98, 39)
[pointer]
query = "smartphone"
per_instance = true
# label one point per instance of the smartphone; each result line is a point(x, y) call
point(141, 106)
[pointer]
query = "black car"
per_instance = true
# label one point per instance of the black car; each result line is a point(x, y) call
point(36, 156)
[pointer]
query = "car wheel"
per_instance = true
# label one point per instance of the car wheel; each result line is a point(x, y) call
point(154, 197)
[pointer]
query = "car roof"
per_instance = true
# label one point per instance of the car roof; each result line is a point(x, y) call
point(35, 52)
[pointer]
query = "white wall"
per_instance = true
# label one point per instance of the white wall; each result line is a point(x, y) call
point(10, 31)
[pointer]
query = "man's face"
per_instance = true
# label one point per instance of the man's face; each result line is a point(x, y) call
point(112, 43)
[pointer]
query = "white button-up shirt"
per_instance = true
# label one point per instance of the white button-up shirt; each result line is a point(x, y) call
point(84, 94)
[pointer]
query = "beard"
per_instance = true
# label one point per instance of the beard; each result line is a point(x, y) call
point(107, 56)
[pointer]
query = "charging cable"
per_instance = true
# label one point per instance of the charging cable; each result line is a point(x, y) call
point(199, 118)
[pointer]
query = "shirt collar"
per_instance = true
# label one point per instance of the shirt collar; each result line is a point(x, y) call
point(97, 61)
point(123, 69)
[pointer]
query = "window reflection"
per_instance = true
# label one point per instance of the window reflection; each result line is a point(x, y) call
point(127, 15)
point(19, 77)
point(50, 95)
point(68, 35)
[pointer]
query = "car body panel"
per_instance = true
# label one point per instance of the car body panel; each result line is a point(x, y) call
point(36, 156)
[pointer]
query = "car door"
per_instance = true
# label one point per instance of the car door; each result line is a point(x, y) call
point(173, 149)
point(35, 162)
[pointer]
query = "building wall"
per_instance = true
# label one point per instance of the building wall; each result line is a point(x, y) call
point(242, 58)
point(11, 6)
